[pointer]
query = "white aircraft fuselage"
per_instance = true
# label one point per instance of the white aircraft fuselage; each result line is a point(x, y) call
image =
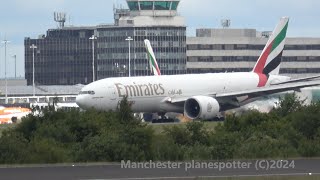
point(150, 93)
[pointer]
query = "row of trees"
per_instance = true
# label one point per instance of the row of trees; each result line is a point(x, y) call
point(292, 130)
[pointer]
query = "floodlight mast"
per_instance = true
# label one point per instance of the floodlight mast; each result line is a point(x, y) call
point(5, 69)
point(129, 39)
point(33, 85)
point(93, 37)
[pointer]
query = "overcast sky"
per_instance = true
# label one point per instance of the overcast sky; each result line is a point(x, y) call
point(29, 18)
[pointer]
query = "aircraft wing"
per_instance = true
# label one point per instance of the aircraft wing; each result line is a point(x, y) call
point(269, 90)
point(176, 99)
point(252, 93)
point(298, 80)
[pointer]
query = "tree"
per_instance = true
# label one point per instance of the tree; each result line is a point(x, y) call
point(288, 104)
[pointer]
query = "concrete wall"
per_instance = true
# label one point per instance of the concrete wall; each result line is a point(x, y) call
point(14, 82)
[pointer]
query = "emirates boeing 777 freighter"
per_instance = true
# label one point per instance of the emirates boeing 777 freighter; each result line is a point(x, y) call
point(198, 96)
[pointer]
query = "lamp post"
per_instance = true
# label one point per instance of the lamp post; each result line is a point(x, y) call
point(15, 66)
point(5, 69)
point(129, 39)
point(33, 86)
point(93, 73)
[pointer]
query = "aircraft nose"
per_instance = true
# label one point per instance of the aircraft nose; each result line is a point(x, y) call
point(81, 101)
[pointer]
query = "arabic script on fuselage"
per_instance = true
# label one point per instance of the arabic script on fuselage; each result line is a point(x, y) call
point(175, 92)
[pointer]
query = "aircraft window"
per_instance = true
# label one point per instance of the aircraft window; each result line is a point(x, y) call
point(87, 92)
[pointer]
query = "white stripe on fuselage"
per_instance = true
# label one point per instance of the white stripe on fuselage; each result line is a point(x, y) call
point(146, 94)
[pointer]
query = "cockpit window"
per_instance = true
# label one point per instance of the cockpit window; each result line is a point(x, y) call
point(87, 92)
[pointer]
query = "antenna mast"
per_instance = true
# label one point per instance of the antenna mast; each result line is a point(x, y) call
point(225, 23)
point(60, 17)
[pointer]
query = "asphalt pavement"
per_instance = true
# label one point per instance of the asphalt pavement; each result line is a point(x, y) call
point(162, 170)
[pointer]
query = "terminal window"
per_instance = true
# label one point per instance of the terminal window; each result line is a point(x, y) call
point(133, 5)
point(146, 5)
point(174, 5)
point(162, 5)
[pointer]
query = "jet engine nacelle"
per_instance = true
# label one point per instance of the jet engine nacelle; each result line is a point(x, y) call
point(201, 107)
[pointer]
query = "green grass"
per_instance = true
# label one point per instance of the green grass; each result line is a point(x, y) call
point(158, 127)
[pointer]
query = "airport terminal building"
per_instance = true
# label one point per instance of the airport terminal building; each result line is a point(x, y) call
point(64, 56)
point(77, 55)
point(237, 50)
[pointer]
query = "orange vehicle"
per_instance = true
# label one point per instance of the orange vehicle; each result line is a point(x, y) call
point(8, 115)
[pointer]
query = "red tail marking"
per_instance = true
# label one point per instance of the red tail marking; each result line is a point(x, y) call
point(262, 60)
point(263, 79)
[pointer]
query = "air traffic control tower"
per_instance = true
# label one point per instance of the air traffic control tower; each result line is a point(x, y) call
point(67, 55)
point(153, 13)
point(156, 20)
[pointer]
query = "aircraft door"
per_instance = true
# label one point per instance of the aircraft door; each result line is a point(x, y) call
point(112, 93)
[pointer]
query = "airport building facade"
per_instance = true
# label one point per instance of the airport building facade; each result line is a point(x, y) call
point(237, 50)
point(64, 56)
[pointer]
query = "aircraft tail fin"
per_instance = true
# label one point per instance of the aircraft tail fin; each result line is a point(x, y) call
point(270, 58)
point(152, 59)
